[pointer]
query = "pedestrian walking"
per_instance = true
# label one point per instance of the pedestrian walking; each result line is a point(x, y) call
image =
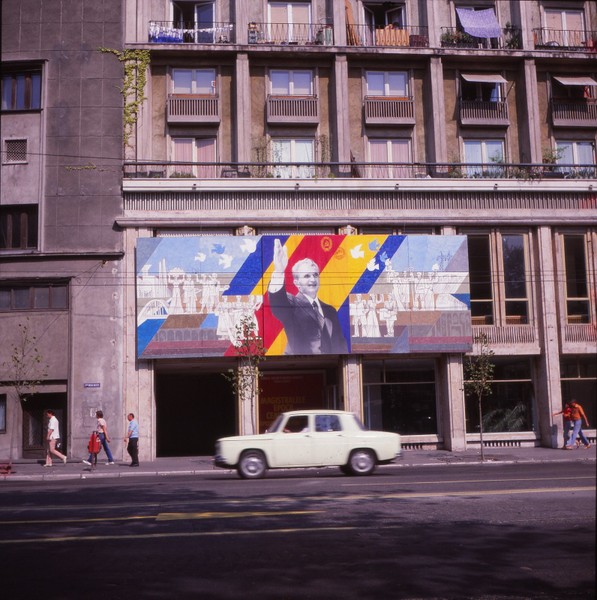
point(577, 415)
point(52, 439)
point(132, 437)
point(102, 431)
point(566, 413)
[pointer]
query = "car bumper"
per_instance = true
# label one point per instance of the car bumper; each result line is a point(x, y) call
point(220, 462)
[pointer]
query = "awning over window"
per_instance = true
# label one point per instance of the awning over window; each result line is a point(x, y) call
point(479, 23)
point(576, 80)
point(483, 77)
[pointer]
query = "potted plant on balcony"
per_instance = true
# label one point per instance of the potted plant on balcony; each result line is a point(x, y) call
point(512, 37)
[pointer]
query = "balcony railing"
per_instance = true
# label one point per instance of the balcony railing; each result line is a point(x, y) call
point(566, 113)
point(168, 32)
point(451, 37)
point(193, 109)
point(357, 170)
point(565, 39)
point(295, 34)
point(366, 35)
point(381, 110)
point(474, 112)
point(293, 109)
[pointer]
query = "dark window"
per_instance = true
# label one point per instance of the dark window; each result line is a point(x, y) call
point(21, 90)
point(18, 226)
point(480, 278)
point(577, 295)
point(36, 297)
point(2, 413)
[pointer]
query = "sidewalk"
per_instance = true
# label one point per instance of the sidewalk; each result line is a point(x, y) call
point(33, 470)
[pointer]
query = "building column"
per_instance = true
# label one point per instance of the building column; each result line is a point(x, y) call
point(434, 105)
point(352, 382)
point(548, 392)
point(242, 108)
point(342, 123)
point(531, 127)
point(452, 406)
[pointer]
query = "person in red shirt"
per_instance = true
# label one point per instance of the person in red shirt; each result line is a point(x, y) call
point(568, 423)
point(577, 415)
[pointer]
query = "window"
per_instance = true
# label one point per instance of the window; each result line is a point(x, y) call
point(576, 153)
point(21, 90)
point(391, 152)
point(579, 381)
point(290, 22)
point(510, 405)
point(573, 88)
point(291, 83)
point(194, 81)
point(191, 14)
point(2, 413)
point(15, 151)
point(564, 28)
point(400, 396)
point(498, 265)
point(18, 227)
point(576, 279)
point(33, 297)
point(481, 87)
point(478, 153)
point(193, 150)
point(387, 83)
point(287, 151)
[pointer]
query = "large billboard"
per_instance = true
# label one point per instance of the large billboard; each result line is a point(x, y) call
point(305, 294)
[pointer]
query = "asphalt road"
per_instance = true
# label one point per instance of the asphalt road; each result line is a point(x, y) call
point(492, 532)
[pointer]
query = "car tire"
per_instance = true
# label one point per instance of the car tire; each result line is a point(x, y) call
point(361, 462)
point(252, 465)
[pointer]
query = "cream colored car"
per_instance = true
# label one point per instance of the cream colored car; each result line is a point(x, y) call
point(309, 438)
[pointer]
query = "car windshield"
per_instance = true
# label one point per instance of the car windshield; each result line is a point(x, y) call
point(275, 425)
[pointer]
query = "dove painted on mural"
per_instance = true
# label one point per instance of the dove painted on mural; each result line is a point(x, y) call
point(357, 252)
point(372, 265)
point(248, 245)
point(218, 249)
point(374, 245)
point(225, 261)
point(200, 256)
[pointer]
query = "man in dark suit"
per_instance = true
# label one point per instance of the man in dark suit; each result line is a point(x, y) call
point(311, 326)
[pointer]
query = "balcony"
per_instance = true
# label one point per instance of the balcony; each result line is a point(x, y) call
point(569, 113)
point(190, 108)
point(293, 109)
point(291, 34)
point(167, 32)
point(452, 37)
point(358, 170)
point(385, 110)
point(565, 39)
point(475, 112)
point(403, 37)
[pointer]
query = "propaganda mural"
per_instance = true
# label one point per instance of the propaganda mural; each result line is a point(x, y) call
point(304, 294)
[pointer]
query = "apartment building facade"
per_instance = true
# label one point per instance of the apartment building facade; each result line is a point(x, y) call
point(402, 135)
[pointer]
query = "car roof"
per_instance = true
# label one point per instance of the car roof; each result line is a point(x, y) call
point(318, 411)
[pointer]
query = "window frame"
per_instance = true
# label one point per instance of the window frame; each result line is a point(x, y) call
point(291, 83)
point(404, 171)
point(57, 301)
point(485, 167)
point(27, 229)
point(3, 413)
point(386, 85)
point(194, 81)
point(31, 96)
point(567, 316)
point(287, 171)
point(193, 170)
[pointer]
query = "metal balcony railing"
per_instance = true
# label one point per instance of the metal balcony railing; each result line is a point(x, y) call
point(384, 110)
point(357, 170)
point(168, 32)
point(567, 113)
point(292, 109)
point(296, 34)
point(183, 108)
point(366, 35)
point(476, 112)
point(451, 37)
point(565, 39)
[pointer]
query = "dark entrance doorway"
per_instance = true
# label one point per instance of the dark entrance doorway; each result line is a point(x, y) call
point(193, 411)
point(35, 423)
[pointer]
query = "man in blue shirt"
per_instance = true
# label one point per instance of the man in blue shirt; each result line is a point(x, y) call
point(132, 437)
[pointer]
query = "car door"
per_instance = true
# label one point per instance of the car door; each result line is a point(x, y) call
point(291, 446)
point(329, 444)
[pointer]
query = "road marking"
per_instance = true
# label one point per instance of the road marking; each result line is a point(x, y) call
point(144, 536)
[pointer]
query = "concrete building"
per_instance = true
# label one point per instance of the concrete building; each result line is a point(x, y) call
point(416, 122)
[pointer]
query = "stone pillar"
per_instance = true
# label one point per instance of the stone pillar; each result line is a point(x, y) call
point(452, 407)
point(531, 151)
point(242, 108)
point(434, 107)
point(342, 123)
point(548, 390)
point(352, 383)
point(339, 21)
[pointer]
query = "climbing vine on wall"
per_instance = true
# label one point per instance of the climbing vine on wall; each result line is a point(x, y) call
point(135, 63)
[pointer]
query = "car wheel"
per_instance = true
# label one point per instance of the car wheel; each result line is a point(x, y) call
point(252, 465)
point(361, 462)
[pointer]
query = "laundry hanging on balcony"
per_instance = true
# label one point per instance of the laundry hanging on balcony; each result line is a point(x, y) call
point(479, 23)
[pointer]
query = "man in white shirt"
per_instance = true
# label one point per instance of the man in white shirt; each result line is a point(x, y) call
point(52, 437)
